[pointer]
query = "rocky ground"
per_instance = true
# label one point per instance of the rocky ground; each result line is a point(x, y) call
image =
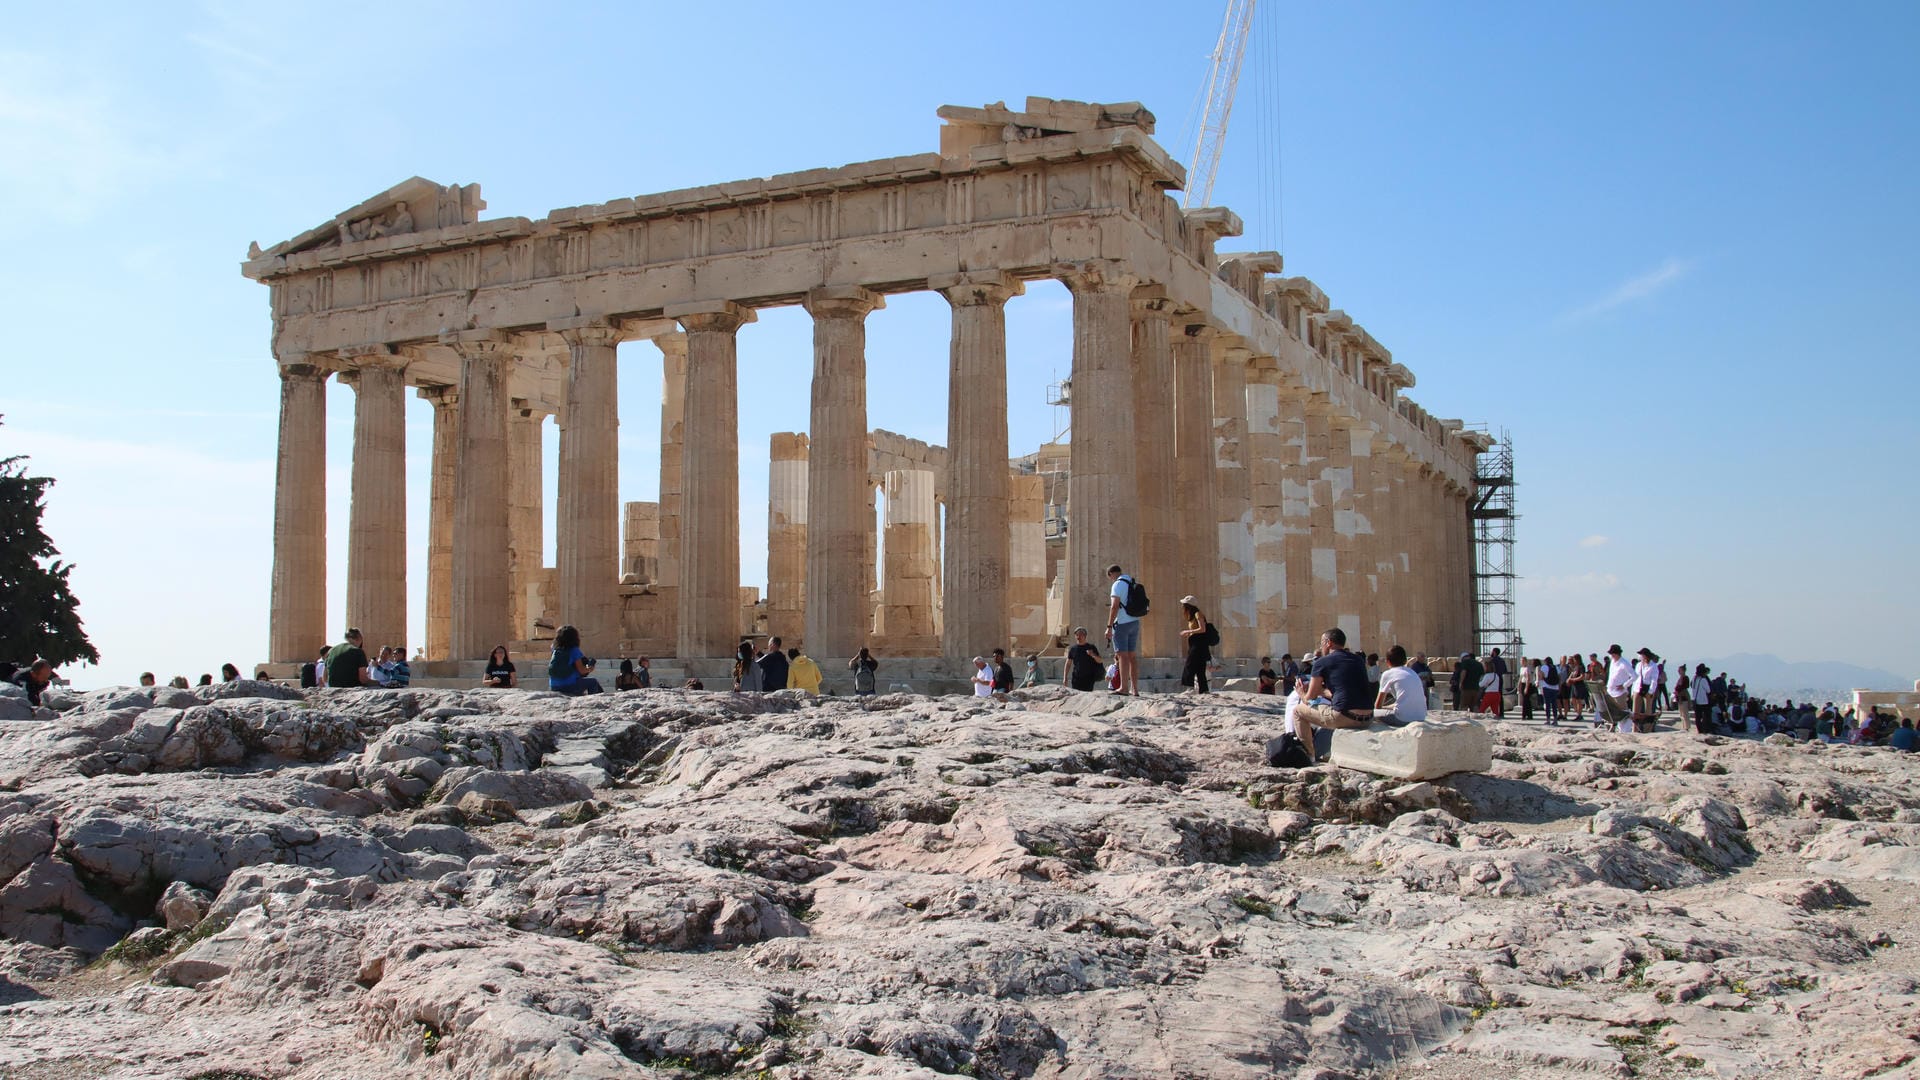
point(241, 881)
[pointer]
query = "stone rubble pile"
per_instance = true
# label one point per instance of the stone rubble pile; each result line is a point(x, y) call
point(516, 884)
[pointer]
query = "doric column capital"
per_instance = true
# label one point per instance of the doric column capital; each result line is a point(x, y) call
point(1150, 301)
point(442, 396)
point(1097, 275)
point(303, 366)
point(587, 331)
point(371, 358)
point(974, 287)
point(842, 302)
point(478, 344)
point(716, 316)
point(1194, 327)
point(673, 343)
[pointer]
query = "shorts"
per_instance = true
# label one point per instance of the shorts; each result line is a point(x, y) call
point(1325, 716)
point(1126, 636)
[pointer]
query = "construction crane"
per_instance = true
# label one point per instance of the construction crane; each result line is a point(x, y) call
point(1222, 77)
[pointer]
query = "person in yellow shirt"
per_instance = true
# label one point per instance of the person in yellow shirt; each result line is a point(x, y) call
point(802, 673)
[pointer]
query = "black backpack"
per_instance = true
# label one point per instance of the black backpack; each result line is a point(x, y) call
point(308, 677)
point(1550, 674)
point(1136, 604)
point(1210, 637)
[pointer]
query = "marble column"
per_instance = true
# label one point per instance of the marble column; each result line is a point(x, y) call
point(1027, 558)
point(1233, 613)
point(480, 573)
point(788, 536)
point(1469, 559)
point(1195, 503)
point(1390, 494)
point(297, 627)
point(1366, 561)
point(837, 570)
point(1418, 527)
point(1152, 365)
point(526, 514)
point(906, 621)
point(377, 517)
point(587, 535)
point(1351, 509)
point(1296, 510)
point(1266, 448)
point(673, 391)
point(710, 500)
point(1103, 497)
point(1327, 464)
point(975, 610)
point(446, 451)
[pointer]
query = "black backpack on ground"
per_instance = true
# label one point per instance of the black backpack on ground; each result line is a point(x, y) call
point(1136, 602)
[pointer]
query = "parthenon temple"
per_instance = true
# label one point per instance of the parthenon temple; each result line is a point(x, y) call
point(1232, 435)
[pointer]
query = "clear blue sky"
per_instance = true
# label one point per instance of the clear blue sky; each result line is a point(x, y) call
point(1669, 247)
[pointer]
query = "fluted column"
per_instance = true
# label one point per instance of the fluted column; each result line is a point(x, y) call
point(526, 514)
point(1265, 451)
point(1362, 602)
point(446, 450)
point(673, 393)
point(1234, 614)
point(1027, 558)
point(587, 540)
point(906, 610)
point(1296, 518)
point(296, 628)
point(1418, 527)
point(1469, 595)
point(975, 609)
point(1194, 499)
point(710, 516)
point(840, 531)
point(1103, 496)
point(1328, 467)
point(480, 577)
point(788, 536)
point(1390, 597)
point(1152, 363)
point(377, 514)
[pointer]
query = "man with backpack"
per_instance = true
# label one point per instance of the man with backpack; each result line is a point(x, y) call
point(1126, 603)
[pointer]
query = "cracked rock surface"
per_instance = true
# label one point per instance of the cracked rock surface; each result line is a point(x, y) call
point(250, 881)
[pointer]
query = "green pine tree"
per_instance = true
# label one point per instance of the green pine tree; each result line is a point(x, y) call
point(39, 615)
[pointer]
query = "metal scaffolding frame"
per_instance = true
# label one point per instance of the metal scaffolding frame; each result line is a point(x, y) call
point(1494, 625)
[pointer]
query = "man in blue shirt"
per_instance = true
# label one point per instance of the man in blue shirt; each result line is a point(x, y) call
point(1342, 676)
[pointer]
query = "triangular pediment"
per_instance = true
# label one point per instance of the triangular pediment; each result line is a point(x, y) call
point(413, 205)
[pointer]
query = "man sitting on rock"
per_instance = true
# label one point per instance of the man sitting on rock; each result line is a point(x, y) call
point(1342, 676)
point(1402, 695)
point(347, 663)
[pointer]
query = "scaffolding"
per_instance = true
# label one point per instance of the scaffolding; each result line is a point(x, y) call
point(1493, 577)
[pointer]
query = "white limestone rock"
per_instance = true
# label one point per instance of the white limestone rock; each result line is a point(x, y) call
point(904, 886)
point(1421, 751)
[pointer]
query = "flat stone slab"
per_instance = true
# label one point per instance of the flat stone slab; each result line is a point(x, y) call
point(1420, 751)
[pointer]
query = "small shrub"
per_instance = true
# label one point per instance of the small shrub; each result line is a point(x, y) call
point(1253, 905)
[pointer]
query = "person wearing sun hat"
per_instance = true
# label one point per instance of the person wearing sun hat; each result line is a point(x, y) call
point(1199, 646)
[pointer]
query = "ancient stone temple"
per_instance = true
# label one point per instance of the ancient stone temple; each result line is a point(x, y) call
point(1232, 435)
